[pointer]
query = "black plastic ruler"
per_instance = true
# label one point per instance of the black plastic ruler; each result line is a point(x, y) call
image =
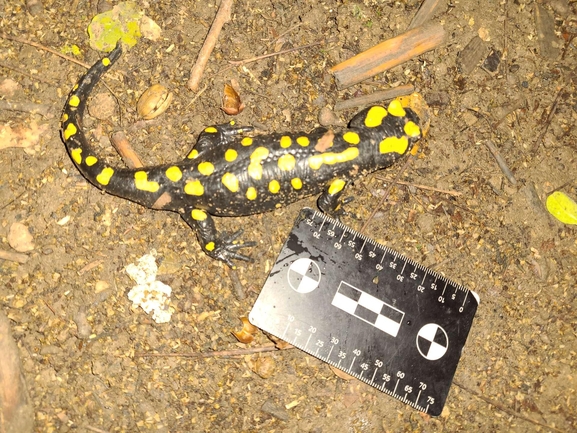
point(367, 310)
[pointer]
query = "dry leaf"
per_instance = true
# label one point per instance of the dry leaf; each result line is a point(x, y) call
point(247, 333)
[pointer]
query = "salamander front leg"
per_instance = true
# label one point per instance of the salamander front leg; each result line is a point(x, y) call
point(330, 200)
point(222, 247)
point(219, 135)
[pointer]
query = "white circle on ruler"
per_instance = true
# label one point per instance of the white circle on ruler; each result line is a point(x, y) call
point(432, 341)
point(304, 275)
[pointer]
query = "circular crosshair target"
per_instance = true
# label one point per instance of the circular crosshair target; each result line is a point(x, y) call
point(304, 275)
point(432, 341)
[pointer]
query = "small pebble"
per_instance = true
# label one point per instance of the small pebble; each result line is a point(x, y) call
point(19, 238)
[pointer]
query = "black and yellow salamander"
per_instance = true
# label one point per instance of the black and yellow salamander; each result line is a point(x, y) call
point(231, 173)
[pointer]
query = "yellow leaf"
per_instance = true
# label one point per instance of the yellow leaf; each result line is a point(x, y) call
point(562, 207)
point(119, 23)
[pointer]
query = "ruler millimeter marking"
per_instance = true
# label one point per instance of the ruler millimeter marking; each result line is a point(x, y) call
point(367, 310)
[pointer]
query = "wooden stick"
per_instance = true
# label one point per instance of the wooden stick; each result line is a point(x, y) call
point(45, 48)
point(387, 193)
point(405, 89)
point(13, 257)
point(125, 150)
point(221, 17)
point(269, 347)
point(510, 411)
point(388, 54)
point(425, 13)
point(501, 162)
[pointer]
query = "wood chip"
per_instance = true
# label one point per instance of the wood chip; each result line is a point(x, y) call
point(471, 55)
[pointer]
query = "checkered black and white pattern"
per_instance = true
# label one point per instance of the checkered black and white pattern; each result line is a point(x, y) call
point(368, 308)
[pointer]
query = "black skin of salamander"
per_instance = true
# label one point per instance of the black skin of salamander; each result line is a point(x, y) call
point(217, 200)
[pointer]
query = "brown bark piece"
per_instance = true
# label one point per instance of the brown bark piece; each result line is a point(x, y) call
point(125, 150)
point(427, 10)
point(471, 55)
point(388, 54)
point(545, 32)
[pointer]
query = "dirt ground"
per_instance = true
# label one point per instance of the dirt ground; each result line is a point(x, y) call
point(83, 347)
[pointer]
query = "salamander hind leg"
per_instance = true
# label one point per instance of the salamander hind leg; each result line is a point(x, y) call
point(220, 246)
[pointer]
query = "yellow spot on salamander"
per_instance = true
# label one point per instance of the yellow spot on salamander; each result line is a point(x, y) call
point(142, 183)
point(396, 108)
point(336, 186)
point(76, 155)
point(198, 215)
point(211, 130)
point(303, 141)
point(74, 101)
point(174, 173)
point(230, 155)
point(296, 183)
point(246, 141)
point(106, 61)
point(64, 117)
point(193, 154)
point(194, 187)
point(70, 131)
point(330, 158)
point(351, 137)
point(230, 181)
point(206, 168)
point(75, 87)
point(251, 193)
point(285, 141)
point(209, 246)
point(104, 177)
point(91, 160)
point(375, 116)
point(394, 144)
point(256, 157)
point(286, 162)
point(412, 129)
point(274, 186)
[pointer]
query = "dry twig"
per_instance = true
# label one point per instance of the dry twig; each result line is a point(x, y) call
point(26, 74)
point(45, 48)
point(269, 347)
point(125, 150)
point(387, 193)
point(501, 162)
point(28, 107)
point(548, 121)
point(504, 408)
point(221, 17)
point(13, 257)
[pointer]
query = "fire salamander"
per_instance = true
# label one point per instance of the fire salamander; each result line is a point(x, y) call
point(232, 173)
